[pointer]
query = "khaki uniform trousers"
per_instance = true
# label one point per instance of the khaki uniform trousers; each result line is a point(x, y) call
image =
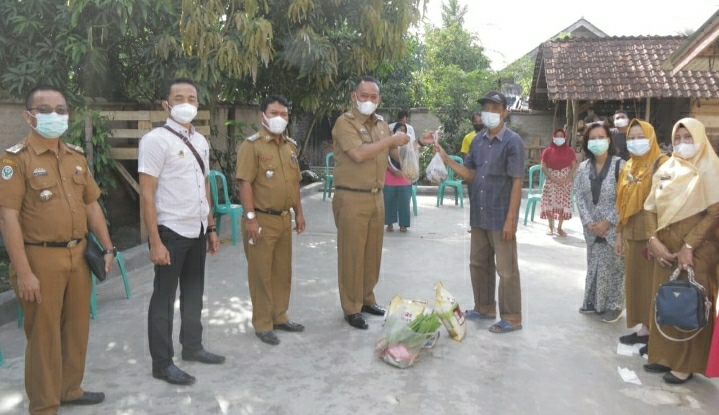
point(359, 218)
point(269, 270)
point(57, 329)
point(485, 247)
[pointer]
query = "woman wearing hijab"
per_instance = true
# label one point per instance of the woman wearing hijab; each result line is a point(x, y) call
point(595, 188)
point(635, 182)
point(558, 164)
point(684, 202)
point(397, 192)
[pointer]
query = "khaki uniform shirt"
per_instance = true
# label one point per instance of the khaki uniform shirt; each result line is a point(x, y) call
point(50, 192)
point(351, 130)
point(271, 168)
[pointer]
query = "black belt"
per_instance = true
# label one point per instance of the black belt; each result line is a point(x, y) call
point(374, 190)
point(68, 244)
point(273, 212)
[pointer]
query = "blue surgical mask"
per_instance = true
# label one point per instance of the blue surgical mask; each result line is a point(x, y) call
point(598, 146)
point(638, 146)
point(490, 119)
point(51, 125)
point(559, 140)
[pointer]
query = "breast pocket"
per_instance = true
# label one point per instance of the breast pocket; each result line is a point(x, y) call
point(44, 192)
point(498, 167)
point(268, 168)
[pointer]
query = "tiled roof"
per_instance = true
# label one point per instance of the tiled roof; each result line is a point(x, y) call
point(614, 68)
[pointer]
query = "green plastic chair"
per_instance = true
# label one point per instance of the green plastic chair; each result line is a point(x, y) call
point(452, 182)
point(93, 295)
point(2, 361)
point(534, 194)
point(329, 177)
point(226, 208)
point(414, 198)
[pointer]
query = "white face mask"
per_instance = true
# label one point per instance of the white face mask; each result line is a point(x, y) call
point(639, 146)
point(183, 113)
point(621, 122)
point(366, 107)
point(559, 140)
point(686, 151)
point(275, 125)
point(490, 119)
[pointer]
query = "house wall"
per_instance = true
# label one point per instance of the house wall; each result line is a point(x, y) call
point(707, 111)
point(535, 128)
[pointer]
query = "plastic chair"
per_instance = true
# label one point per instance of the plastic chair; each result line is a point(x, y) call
point(93, 295)
point(414, 198)
point(226, 208)
point(329, 177)
point(2, 361)
point(451, 182)
point(534, 194)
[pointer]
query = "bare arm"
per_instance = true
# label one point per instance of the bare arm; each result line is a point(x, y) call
point(462, 171)
point(371, 150)
point(28, 284)
point(158, 252)
point(213, 239)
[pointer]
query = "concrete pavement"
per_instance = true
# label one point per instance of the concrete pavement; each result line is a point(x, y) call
point(562, 362)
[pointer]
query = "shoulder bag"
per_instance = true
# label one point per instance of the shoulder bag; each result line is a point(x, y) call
point(682, 304)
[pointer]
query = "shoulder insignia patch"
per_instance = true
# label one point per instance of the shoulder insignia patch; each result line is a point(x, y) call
point(76, 148)
point(16, 148)
point(253, 137)
point(292, 141)
point(379, 117)
point(349, 115)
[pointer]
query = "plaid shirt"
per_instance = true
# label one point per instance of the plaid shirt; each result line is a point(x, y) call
point(495, 162)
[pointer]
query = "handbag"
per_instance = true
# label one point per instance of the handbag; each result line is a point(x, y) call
point(95, 258)
point(682, 304)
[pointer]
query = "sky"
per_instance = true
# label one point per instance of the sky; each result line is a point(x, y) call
point(511, 28)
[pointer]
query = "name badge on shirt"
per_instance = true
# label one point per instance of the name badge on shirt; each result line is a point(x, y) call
point(39, 172)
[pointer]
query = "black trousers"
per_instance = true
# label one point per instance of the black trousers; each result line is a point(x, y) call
point(187, 267)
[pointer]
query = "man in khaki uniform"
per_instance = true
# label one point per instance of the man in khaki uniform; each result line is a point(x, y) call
point(269, 179)
point(48, 202)
point(362, 141)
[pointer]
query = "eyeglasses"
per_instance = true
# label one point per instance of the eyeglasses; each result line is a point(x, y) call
point(46, 109)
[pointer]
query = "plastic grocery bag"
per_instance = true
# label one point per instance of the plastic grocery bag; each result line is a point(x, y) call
point(409, 162)
point(408, 310)
point(436, 170)
point(449, 312)
point(400, 342)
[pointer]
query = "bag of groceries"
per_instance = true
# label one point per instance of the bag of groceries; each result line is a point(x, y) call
point(449, 312)
point(400, 342)
point(408, 310)
point(436, 170)
point(409, 161)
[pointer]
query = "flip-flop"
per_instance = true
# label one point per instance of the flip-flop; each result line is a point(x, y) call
point(476, 315)
point(503, 327)
point(561, 233)
point(550, 232)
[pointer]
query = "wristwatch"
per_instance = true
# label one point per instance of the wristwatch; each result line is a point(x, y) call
point(112, 251)
point(250, 215)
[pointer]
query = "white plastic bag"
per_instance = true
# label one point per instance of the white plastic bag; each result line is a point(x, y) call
point(409, 162)
point(436, 170)
point(449, 312)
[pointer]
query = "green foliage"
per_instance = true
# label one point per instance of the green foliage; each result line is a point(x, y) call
point(401, 85)
point(522, 70)
point(457, 73)
point(102, 163)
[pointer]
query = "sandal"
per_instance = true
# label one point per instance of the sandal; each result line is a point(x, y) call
point(403, 229)
point(561, 233)
point(550, 232)
point(390, 228)
point(504, 327)
point(476, 315)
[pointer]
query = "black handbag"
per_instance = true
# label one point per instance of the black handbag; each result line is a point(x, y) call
point(95, 258)
point(682, 304)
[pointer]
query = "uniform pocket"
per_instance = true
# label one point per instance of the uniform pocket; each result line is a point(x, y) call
point(44, 190)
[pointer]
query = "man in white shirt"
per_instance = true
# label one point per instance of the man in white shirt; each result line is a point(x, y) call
point(173, 162)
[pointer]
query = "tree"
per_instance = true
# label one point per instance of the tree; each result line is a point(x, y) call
point(457, 73)
point(522, 71)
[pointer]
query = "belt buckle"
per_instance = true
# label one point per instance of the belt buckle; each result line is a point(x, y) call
point(72, 243)
point(374, 190)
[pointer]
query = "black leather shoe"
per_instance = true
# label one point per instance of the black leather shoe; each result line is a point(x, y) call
point(289, 326)
point(172, 374)
point(203, 356)
point(374, 309)
point(669, 377)
point(87, 398)
point(634, 338)
point(268, 337)
point(357, 321)
point(656, 368)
